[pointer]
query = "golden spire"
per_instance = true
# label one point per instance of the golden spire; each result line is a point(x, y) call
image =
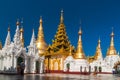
point(17, 23)
point(21, 36)
point(98, 53)
point(80, 53)
point(41, 44)
point(111, 50)
point(40, 32)
point(61, 18)
point(22, 33)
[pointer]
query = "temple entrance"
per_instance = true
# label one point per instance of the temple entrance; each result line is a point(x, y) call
point(100, 69)
point(95, 69)
point(68, 66)
point(20, 65)
point(37, 67)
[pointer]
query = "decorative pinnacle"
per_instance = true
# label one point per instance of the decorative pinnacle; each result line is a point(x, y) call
point(80, 31)
point(17, 23)
point(99, 40)
point(40, 23)
point(112, 34)
point(61, 18)
point(21, 30)
point(8, 27)
point(33, 30)
point(40, 19)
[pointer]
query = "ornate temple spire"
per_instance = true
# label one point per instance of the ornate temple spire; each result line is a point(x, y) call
point(8, 38)
point(32, 42)
point(61, 18)
point(17, 34)
point(98, 54)
point(21, 34)
point(80, 53)
point(112, 39)
point(111, 50)
point(41, 44)
point(40, 32)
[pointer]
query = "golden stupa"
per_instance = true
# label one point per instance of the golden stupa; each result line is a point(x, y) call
point(98, 52)
point(80, 53)
point(40, 42)
point(111, 50)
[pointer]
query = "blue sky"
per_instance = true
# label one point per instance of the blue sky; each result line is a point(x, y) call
point(97, 16)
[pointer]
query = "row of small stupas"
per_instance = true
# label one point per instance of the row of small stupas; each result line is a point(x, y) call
point(60, 56)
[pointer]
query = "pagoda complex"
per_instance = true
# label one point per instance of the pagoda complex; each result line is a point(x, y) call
point(60, 56)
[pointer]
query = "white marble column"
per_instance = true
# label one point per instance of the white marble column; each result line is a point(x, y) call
point(26, 65)
point(41, 66)
point(34, 66)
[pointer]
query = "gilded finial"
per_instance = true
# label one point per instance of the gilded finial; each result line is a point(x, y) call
point(61, 18)
point(21, 30)
point(17, 23)
point(99, 40)
point(40, 19)
point(40, 23)
point(8, 27)
point(112, 34)
point(80, 31)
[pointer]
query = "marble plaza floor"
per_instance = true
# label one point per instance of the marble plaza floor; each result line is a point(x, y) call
point(59, 77)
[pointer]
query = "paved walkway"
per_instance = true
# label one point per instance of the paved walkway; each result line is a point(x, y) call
point(59, 77)
point(85, 77)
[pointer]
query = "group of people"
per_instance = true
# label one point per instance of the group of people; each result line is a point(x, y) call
point(20, 68)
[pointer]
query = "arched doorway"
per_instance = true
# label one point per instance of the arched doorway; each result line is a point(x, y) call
point(95, 69)
point(37, 67)
point(68, 66)
point(20, 61)
point(100, 69)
